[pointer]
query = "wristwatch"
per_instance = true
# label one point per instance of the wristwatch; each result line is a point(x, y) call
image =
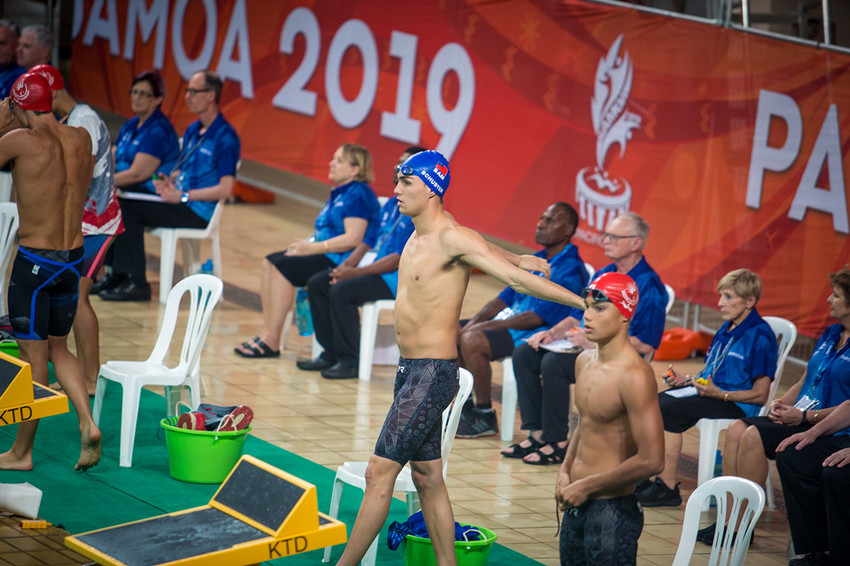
point(184, 197)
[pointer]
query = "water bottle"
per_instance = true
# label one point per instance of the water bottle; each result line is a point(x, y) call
point(718, 464)
point(207, 267)
point(303, 318)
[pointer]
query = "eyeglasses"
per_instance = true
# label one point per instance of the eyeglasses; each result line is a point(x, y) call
point(194, 91)
point(615, 237)
point(142, 93)
point(597, 295)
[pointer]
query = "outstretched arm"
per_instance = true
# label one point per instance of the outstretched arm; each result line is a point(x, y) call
point(527, 262)
point(469, 247)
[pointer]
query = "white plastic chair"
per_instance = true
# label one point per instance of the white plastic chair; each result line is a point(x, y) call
point(5, 186)
point(204, 292)
point(727, 549)
point(8, 232)
point(354, 473)
point(671, 298)
point(709, 429)
point(191, 263)
point(369, 333)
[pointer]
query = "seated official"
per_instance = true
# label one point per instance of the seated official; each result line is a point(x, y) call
point(544, 377)
point(506, 321)
point(340, 227)
point(739, 368)
point(335, 294)
point(205, 173)
point(146, 146)
point(825, 385)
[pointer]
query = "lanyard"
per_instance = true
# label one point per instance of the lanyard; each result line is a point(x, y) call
point(716, 360)
point(183, 158)
point(826, 361)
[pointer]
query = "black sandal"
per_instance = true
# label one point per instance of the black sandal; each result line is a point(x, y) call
point(517, 451)
point(556, 457)
point(258, 349)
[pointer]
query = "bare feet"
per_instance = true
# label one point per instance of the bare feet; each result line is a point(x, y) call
point(9, 461)
point(89, 449)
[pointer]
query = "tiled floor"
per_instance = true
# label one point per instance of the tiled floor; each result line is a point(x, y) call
point(333, 421)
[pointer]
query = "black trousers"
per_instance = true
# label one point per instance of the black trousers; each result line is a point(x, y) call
point(128, 256)
point(543, 386)
point(336, 321)
point(817, 498)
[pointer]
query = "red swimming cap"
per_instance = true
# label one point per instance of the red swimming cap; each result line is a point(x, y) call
point(52, 74)
point(31, 92)
point(618, 288)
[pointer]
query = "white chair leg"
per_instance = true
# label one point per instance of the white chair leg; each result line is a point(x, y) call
point(509, 399)
point(216, 255)
point(173, 395)
point(168, 253)
point(336, 496)
point(316, 347)
point(413, 504)
point(100, 391)
point(129, 415)
point(368, 334)
point(191, 257)
point(708, 435)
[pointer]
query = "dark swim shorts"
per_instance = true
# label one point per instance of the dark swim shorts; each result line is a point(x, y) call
point(43, 292)
point(413, 429)
point(602, 532)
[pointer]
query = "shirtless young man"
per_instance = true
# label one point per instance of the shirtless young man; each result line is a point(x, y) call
point(619, 440)
point(51, 170)
point(432, 278)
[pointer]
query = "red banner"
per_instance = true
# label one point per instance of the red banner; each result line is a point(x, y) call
point(734, 147)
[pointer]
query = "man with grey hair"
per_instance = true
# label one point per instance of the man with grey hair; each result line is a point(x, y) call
point(544, 378)
point(35, 46)
point(9, 69)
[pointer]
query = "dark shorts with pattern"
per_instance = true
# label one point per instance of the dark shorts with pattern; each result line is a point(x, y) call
point(43, 292)
point(602, 532)
point(413, 429)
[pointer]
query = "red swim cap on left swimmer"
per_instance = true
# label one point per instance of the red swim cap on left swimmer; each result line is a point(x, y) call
point(52, 74)
point(617, 288)
point(31, 92)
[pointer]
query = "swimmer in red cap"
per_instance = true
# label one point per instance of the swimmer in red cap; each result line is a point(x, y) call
point(432, 277)
point(619, 440)
point(51, 172)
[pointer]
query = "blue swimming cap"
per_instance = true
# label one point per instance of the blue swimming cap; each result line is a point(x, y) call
point(430, 166)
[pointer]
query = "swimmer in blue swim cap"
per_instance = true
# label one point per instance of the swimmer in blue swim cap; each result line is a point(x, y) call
point(430, 166)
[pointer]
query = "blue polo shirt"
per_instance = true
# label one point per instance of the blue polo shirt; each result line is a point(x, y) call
point(205, 159)
point(8, 75)
point(738, 356)
point(828, 371)
point(567, 271)
point(155, 137)
point(354, 199)
point(394, 230)
point(648, 321)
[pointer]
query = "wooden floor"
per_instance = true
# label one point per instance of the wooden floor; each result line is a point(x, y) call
point(333, 421)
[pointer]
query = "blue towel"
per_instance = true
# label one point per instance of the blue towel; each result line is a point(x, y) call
point(415, 525)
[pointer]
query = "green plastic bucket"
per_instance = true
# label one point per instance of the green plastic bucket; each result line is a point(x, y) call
point(200, 456)
point(419, 552)
point(10, 347)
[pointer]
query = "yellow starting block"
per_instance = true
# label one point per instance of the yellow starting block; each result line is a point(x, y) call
point(22, 400)
point(259, 513)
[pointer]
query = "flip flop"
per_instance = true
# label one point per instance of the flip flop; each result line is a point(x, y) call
point(556, 457)
point(246, 345)
point(517, 451)
point(263, 352)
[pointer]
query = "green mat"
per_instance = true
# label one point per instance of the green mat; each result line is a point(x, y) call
point(110, 495)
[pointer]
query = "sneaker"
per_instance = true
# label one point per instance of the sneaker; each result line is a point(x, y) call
point(192, 421)
point(643, 485)
point(477, 423)
point(706, 535)
point(659, 495)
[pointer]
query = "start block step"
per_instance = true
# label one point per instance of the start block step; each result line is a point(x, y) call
point(22, 400)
